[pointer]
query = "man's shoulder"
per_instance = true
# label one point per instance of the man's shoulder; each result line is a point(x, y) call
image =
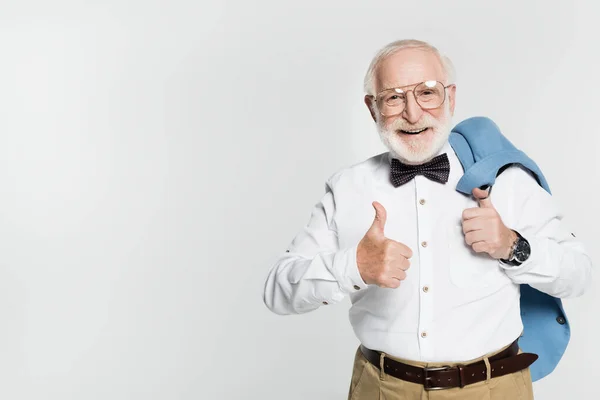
point(358, 170)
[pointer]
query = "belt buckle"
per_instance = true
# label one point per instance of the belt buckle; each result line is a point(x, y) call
point(427, 378)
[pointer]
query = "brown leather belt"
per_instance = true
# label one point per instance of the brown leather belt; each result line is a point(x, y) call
point(458, 375)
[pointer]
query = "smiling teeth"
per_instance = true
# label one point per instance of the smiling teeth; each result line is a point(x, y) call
point(415, 131)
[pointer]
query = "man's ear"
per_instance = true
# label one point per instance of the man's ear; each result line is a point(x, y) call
point(370, 102)
point(452, 98)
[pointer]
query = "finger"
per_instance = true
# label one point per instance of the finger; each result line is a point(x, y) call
point(480, 247)
point(400, 275)
point(471, 225)
point(471, 213)
point(403, 249)
point(475, 236)
point(378, 226)
point(393, 283)
point(404, 265)
point(483, 197)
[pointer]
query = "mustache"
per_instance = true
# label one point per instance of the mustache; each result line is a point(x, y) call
point(426, 122)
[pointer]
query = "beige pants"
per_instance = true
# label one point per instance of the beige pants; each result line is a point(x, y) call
point(368, 383)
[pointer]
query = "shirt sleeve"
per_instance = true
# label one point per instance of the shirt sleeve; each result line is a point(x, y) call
point(313, 271)
point(559, 264)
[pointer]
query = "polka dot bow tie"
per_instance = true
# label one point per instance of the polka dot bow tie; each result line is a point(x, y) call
point(437, 170)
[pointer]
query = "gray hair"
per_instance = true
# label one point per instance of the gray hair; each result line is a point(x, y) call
point(391, 48)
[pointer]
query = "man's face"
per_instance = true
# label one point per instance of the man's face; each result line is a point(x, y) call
point(403, 134)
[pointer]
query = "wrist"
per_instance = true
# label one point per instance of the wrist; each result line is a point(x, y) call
point(520, 252)
point(509, 247)
point(361, 256)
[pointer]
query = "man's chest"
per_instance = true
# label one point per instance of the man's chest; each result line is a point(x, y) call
point(427, 217)
point(418, 210)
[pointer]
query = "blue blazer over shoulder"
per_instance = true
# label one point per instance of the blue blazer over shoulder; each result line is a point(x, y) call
point(483, 151)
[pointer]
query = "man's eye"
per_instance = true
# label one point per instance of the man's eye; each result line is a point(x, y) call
point(395, 97)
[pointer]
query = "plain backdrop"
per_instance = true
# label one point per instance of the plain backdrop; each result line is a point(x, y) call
point(156, 156)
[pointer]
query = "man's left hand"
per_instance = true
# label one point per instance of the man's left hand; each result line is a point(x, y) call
point(484, 230)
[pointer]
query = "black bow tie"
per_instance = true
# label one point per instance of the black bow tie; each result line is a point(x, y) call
point(437, 170)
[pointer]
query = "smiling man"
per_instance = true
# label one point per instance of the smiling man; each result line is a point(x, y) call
point(433, 275)
point(423, 128)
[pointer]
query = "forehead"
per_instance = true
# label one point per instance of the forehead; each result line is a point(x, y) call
point(407, 67)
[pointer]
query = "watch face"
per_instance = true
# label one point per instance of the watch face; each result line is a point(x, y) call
point(522, 251)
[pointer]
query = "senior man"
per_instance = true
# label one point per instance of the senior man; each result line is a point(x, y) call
point(433, 275)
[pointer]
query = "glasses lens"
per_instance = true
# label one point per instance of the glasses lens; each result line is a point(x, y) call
point(430, 94)
point(392, 102)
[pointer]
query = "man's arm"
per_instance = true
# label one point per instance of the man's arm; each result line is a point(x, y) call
point(314, 271)
point(558, 264)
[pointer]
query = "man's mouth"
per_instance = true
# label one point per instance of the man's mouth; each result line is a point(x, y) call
point(413, 132)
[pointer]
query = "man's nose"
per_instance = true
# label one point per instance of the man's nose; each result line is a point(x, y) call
point(412, 110)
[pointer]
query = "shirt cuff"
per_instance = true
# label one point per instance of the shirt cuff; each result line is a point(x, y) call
point(345, 262)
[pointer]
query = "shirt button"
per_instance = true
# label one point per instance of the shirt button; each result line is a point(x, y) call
point(561, 320)
point(426, 289)
point(325, 303)
point(422, 201)
point(356, 287)
point(424, 244)
point(423, 334)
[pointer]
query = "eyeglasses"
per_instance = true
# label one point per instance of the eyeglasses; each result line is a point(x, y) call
point(428, 95)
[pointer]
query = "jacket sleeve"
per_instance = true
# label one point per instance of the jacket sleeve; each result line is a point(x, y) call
point(559, 264)
point(314, 271)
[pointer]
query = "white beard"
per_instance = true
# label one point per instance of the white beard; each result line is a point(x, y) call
point(416, 149)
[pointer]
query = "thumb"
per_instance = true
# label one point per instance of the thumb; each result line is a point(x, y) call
point(483, 197)
point(378, 225)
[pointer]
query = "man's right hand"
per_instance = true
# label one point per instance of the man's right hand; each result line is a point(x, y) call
point(382, 261)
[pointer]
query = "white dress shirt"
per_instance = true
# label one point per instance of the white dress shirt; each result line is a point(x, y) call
point(454, 304)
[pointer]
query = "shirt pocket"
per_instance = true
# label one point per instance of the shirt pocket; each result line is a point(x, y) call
point(469, 269)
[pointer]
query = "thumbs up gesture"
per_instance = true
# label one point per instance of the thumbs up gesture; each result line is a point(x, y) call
point(380, 260)
point(484, 230)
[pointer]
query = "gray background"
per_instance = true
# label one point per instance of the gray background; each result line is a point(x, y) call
point(156, 156)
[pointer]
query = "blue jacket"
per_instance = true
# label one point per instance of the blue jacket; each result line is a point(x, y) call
point(483, 151)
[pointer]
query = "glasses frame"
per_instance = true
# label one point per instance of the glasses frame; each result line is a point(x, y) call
point(376, 98)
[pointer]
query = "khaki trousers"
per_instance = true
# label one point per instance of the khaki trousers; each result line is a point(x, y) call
point(368, 383)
